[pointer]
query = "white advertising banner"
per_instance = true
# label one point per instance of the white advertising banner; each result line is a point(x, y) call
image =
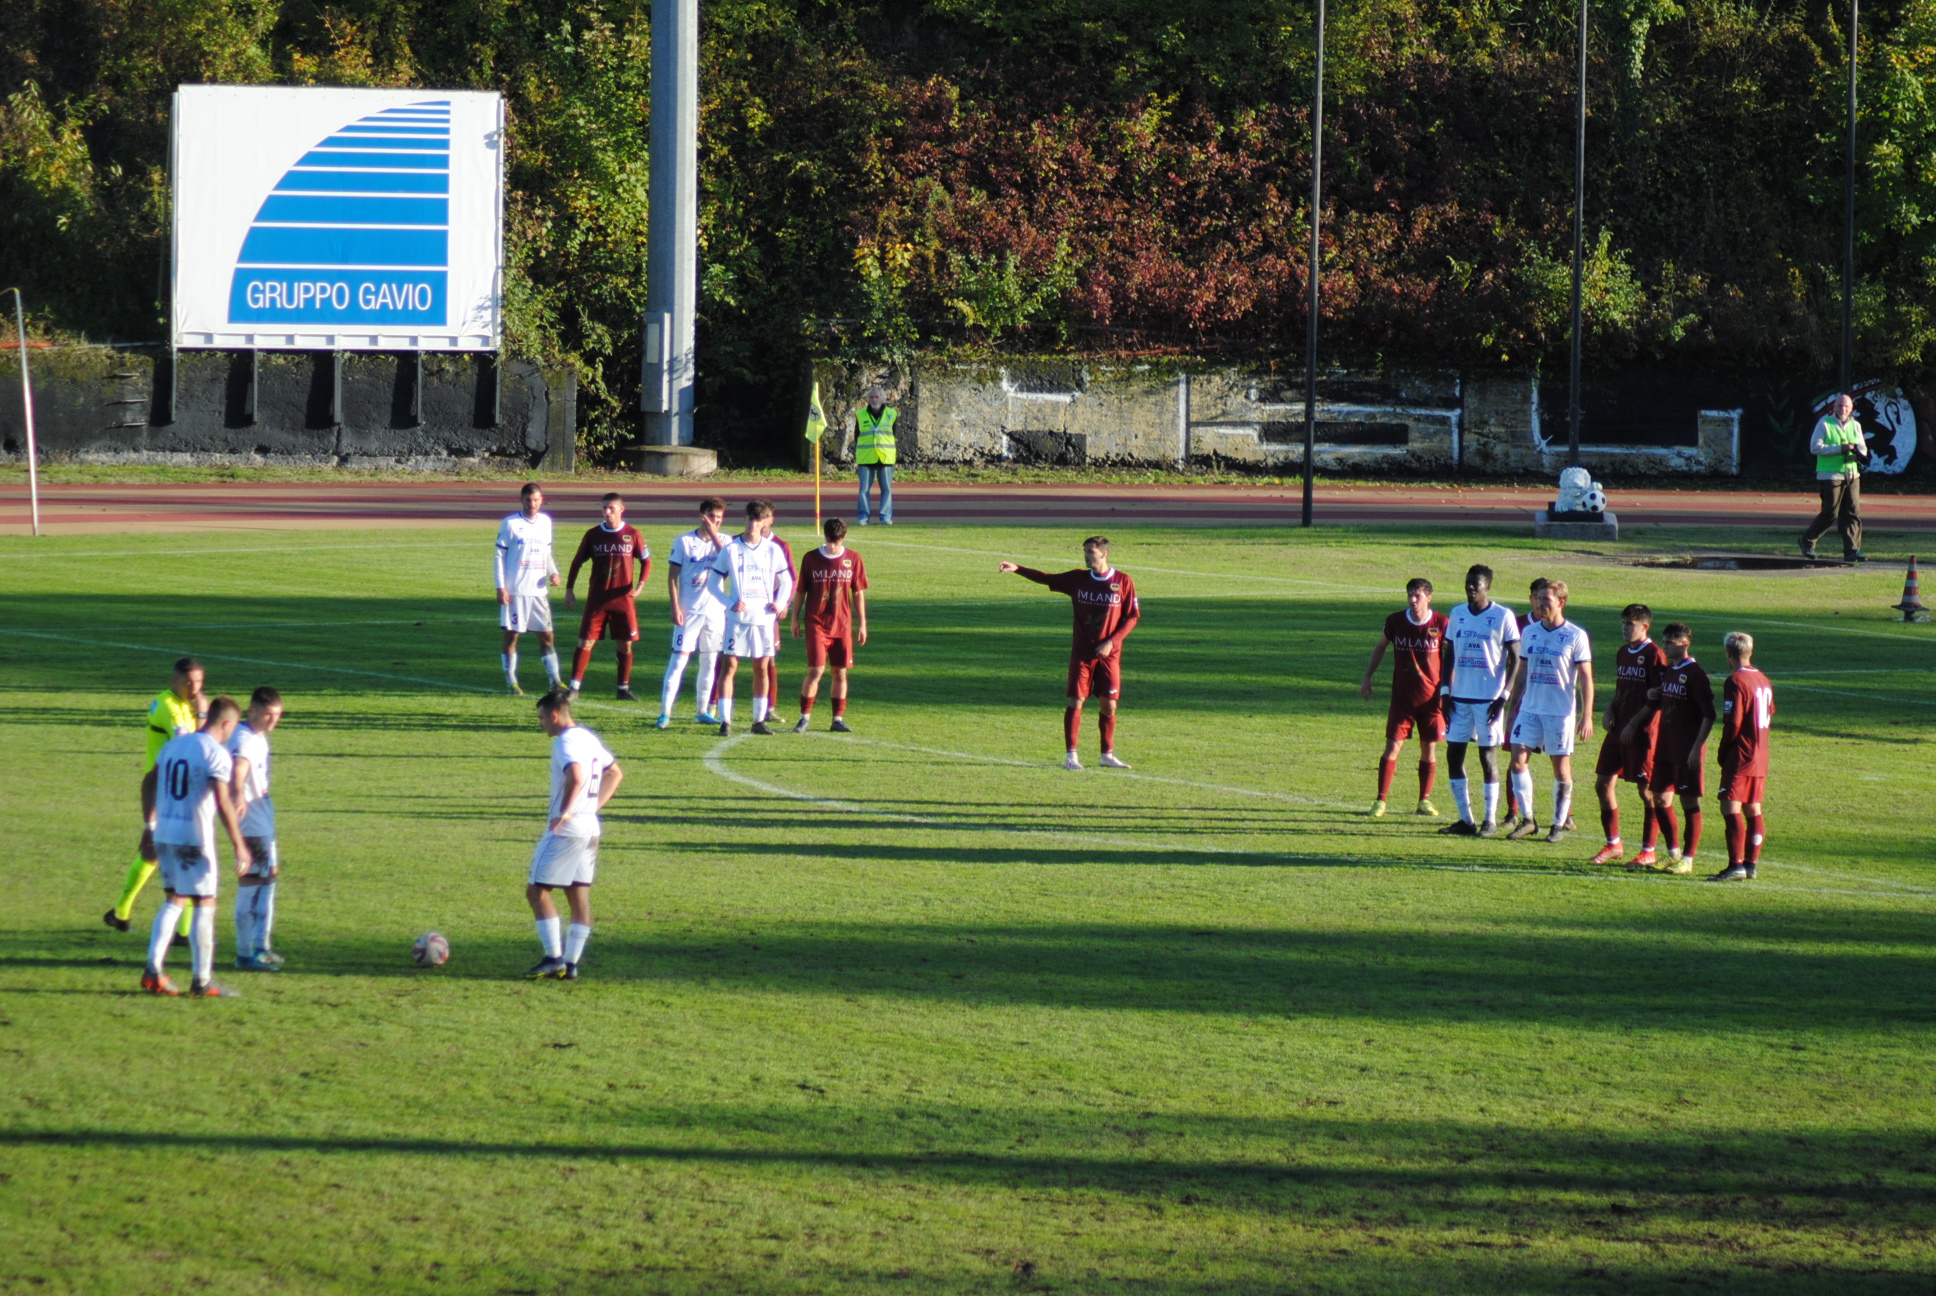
point(323, 219)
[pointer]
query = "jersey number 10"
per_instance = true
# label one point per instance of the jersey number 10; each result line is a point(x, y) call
point(177, 774)
point(1764, 705)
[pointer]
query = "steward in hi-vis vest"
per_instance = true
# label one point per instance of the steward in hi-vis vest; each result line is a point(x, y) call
point(874, 455)
point(874, 435)
point(1839, 446)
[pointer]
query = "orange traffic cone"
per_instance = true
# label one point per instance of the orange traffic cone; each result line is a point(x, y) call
point(1911, 607)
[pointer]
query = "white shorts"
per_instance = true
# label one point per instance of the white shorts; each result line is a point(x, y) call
point(751, 638)
point(262, 856)
point(186, 870)
point(526, 613)
point(702, 633)
point(1550, 734)
point(564, 861)
point(1466, 723)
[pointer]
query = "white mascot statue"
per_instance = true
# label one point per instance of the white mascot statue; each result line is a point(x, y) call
point(1579, 493)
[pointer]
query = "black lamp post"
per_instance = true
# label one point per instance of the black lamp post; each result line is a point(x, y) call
point(1848, 219)
point(1311, 310)
point(1579, 269)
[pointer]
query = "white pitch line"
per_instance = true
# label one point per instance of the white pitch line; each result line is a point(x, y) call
point(1867, 697)
point(713, 760)
point(142, 553)
point(1167, 571)
point(251, 661)
point(1113, 774)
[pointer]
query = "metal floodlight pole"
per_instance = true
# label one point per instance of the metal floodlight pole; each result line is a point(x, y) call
point(27, 409)
point(1848, 218)
point(672, 224)
point(1579, 267)
point(1313, 268)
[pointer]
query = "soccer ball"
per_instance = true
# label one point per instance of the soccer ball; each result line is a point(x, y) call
point(431, 950)
point(1595, 500)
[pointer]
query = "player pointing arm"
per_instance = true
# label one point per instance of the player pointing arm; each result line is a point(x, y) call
point(1106, 610)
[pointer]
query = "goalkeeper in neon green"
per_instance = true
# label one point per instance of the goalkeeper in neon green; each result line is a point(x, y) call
point(176, 710)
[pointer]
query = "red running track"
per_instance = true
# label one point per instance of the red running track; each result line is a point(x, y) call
point(82, 510)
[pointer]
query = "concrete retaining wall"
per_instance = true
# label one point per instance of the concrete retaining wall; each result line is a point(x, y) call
point(1078, 412)
point(99, 404)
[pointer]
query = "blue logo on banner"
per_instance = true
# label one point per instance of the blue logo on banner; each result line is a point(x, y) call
point(358, 231)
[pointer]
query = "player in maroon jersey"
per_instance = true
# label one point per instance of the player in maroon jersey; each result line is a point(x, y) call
point(1686, 716)
point(832, 604)
point(1747, 710)
point(1632, 724)
point(1422, 660)
point(1105, 612)
point(620, 562)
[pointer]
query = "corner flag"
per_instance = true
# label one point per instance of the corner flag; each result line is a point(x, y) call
point(816, 420)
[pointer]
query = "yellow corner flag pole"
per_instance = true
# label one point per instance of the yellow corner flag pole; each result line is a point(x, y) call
point(816, 428)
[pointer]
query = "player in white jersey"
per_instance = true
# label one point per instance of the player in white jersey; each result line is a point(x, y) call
point(751, 578)
point(698, 617)
point(1484, 638)
point(255, 895)
point(584, 774)
point(525, 567)
point(191, 787)
point(1552, 700)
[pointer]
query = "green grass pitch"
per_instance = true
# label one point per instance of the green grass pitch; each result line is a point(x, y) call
point(917, 1011)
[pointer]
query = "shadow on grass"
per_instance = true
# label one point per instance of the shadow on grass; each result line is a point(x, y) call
point(1708, 973)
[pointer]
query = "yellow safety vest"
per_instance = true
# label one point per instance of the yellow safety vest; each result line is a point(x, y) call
point(874, 439)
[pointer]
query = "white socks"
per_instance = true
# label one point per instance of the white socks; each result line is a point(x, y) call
point(201, 941)
point(1462, 798)
point(164, 931)
point(1492, 802)
point(255, 914)
point(245, 924)
point(510, 660)
point(702, 683)
point(726, 709)
point(759, 709)
point(554, 946)
point(674, 676)
point(575, 937)
point(551, 667)
point(1522, 783)
point(1562, 802)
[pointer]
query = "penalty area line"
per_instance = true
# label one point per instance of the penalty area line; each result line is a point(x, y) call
point(250, 661)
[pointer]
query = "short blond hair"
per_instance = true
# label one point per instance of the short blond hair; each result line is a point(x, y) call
point(1739, 643)
point(1557, 589)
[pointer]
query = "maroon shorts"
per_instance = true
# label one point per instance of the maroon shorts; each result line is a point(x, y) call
point(1745, 788)
point(1429, 717)
point(1632, 761)
point(1096, 676)
point(612, 618)
point(825, 650)
point(1669, 772)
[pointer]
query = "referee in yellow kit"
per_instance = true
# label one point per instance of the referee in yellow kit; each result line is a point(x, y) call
point(176, 710)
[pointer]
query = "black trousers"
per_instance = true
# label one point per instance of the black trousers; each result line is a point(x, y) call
point(1841, 510)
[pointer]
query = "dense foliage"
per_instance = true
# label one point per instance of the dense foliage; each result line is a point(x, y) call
point(1086, 174)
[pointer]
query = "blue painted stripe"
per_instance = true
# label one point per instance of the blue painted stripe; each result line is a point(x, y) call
point(355, 211)
point(344, 247)
point(406, 114)
point(386, 143)
point(426, 131)
point(364, 182)
point(325, 296)
point(403, 161)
